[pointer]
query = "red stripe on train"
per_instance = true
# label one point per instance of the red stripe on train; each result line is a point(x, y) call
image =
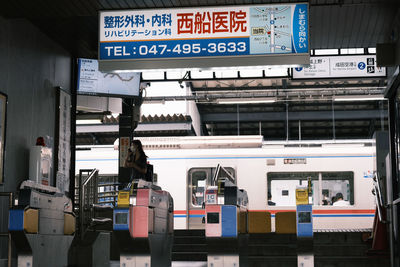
point(343, 211)
point(180, 212)
point(197, 212)
point(333, 211)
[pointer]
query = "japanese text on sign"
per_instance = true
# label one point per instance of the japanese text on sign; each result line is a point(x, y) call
point(212, 22)
point(302, 28)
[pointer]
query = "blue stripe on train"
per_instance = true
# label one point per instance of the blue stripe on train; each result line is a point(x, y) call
point(345, 215)
point(314, 215)
point(261, 157)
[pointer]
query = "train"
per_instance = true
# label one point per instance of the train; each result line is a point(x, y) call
point(269, 171)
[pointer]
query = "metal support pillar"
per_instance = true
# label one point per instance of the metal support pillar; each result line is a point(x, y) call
point(128, 121)
point(125, 130)
point(392, 94)
point(394, 227)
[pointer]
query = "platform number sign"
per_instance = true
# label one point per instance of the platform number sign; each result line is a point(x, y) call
point(340, 67)
point(371, 65)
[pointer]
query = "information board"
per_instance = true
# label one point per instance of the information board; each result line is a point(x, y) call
point(218, 32)
point(64, 142)
point(340, 67)
point(93, 82)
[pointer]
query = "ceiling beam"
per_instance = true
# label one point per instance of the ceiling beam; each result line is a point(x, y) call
point(300, 115)
point(373, 85)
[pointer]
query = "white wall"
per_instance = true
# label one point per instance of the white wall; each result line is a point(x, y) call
point(169, 107)
point(31, 67)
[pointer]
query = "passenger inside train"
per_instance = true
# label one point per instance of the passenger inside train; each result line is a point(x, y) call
point(339, 200)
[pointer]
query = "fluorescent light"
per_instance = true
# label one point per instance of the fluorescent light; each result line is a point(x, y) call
point(154, 102)
point(245, 100)
point(88, 122)
point(345, 51)
point(358, 98)
point(326, 52)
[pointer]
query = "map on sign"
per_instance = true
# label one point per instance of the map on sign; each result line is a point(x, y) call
point(270, 29)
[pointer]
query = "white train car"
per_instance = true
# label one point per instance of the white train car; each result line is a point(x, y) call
point(184, 166)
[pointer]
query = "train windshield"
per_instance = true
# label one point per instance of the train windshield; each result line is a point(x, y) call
point(327, 187)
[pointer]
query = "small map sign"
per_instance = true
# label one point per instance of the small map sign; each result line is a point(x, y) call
point(93, 82)
point(340, 67)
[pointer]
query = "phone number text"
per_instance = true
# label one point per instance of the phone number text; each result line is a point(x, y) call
point(175, 48)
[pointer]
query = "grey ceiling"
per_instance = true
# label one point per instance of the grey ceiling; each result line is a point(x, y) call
point(333, 24)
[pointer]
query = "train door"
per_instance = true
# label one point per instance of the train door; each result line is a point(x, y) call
point(198, 181)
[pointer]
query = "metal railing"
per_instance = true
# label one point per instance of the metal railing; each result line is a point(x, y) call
point(87, 196)
point(379, 198)
point(10, 205)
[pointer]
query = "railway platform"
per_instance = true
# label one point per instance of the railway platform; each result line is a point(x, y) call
point(331, 248)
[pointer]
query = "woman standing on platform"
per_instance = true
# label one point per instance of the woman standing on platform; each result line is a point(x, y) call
point(137, 160)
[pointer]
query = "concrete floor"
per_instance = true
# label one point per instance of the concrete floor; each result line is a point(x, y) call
point(189, 263)
point(174, 264)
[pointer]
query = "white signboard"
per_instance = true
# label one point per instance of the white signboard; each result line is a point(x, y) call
point(93, 82)
point(340, 67)
point(200, 33)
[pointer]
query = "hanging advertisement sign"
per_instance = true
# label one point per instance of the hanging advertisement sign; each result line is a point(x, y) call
point(340, 67)
point(201, 33)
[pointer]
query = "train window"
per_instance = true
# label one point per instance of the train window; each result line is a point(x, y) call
point(334, 184)
point(325, 187)
point(198, 187)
